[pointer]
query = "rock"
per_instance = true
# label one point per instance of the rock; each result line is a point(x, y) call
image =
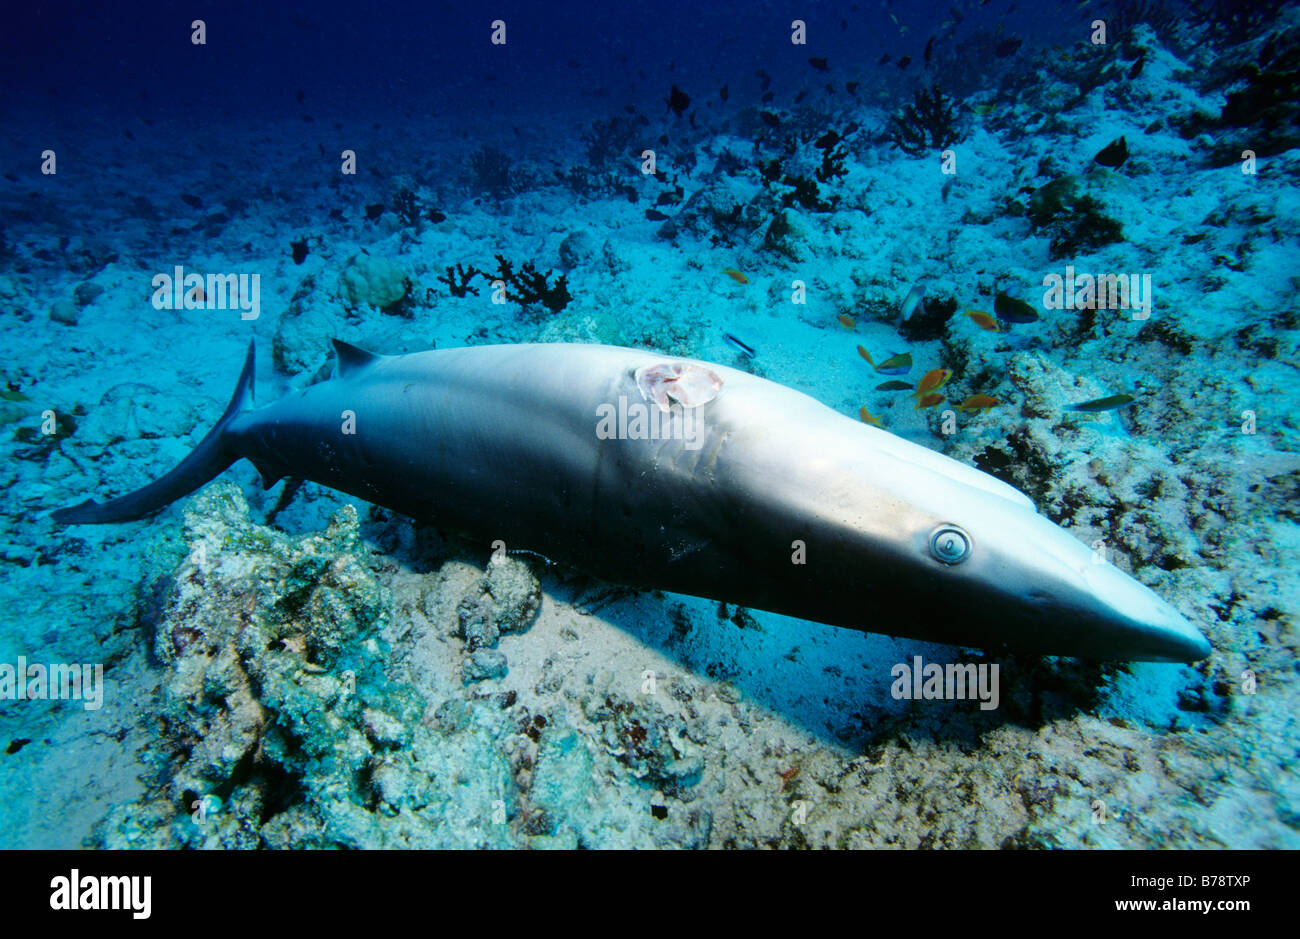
point(482, 664)
point(651, 742)
point(615, 261)
point(65, 312)
point(477, 625)
point(504, 600)
point(86, 292)
point(277, 716)
point(786, 235)
point(516, 594)
point(725, 205)
point(576, 249)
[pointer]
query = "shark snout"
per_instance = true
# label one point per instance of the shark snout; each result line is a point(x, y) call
point(1140, 622)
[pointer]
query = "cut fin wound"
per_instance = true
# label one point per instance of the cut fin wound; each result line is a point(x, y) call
point(204, 463)
point(349, 359)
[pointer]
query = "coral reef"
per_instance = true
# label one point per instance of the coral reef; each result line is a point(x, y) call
point(278, 726)
point(272, 690)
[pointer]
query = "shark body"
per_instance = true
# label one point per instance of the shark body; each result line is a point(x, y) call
point(754, 494)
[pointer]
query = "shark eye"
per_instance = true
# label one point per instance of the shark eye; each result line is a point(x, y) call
point(949, 544)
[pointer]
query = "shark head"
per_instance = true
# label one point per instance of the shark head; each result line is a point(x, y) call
point(1039, 586)
point(996, 568)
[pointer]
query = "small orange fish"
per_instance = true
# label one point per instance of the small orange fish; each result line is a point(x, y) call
point(932, 380)
point(736, 275)
point(978, 403)
point(868, 418)
point(866, 355)
point(983, 320)
point(929, 401)
point(846, 321)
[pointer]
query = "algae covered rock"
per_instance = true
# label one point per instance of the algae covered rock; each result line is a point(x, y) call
point(577, 249)
point(504, 600)
point(279, 726)
point(649, 741)
point(1071, 218)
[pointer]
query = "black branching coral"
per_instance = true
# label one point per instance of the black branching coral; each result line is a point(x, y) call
point(529, 285)
point(491, 172)
point(526, 286)
point(1266, 96)
point(928, 124)
point(458, 280)
point(804, 190)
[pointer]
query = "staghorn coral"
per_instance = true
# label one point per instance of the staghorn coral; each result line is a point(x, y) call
point(1129, 13)
point(1232, 21)
point(528, 285)
point(803, 189)
point(407, 207)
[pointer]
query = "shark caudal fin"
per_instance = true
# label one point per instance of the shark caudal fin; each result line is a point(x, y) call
point(206, 462)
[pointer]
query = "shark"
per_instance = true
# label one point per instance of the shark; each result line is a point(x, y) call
point(666, 473)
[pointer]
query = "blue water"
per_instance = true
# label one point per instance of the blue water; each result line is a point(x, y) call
point(349, 156)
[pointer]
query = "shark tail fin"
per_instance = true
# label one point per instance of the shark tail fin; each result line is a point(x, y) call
point(204, 463)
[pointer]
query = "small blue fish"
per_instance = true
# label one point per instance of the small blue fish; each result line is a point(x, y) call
point(739, 346)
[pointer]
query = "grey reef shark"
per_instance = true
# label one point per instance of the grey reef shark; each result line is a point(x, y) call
point(666, 473)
